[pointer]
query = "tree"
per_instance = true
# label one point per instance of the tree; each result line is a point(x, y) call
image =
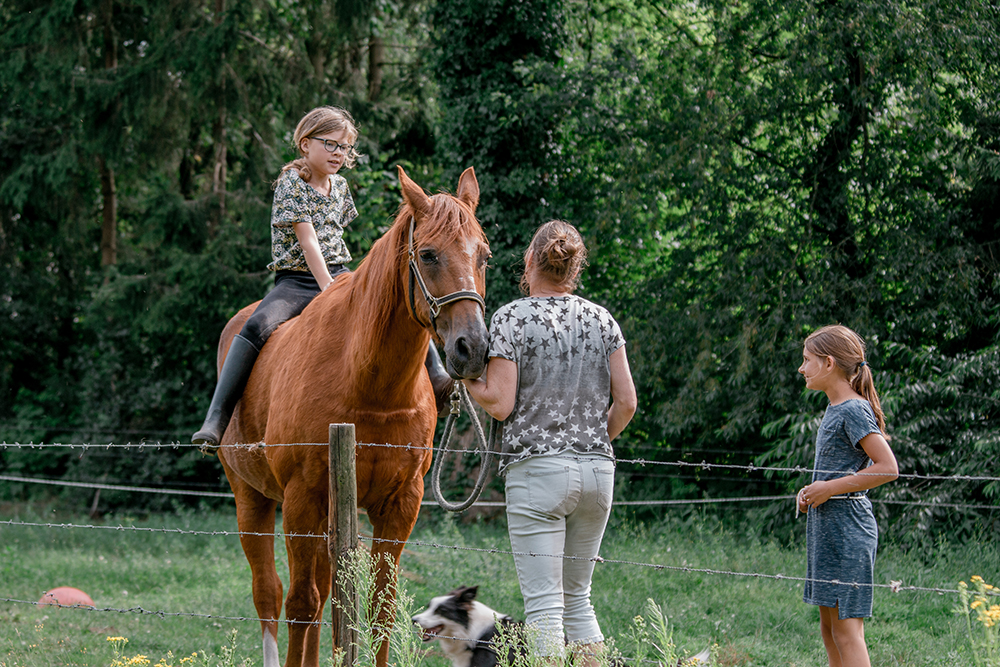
point(491, 62)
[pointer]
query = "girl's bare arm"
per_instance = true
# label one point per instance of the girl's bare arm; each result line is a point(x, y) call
point(306, 235)
point(883, 469)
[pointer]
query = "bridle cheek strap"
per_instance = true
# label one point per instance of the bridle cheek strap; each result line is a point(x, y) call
point(434, 304)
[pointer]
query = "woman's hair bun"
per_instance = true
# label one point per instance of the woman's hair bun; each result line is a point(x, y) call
point(559, 252)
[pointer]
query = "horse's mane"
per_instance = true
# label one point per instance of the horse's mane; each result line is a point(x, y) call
point(377, 287)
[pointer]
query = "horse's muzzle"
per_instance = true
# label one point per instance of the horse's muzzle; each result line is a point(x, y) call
point(466, 356)
point(467, 351)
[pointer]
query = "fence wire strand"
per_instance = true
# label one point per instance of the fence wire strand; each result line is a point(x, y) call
point(894, 586)
point(703, 465)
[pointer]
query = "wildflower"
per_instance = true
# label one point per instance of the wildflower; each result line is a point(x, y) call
point(976, 578)
point(976, 604)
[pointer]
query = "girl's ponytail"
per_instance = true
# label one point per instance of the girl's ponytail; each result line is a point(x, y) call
point(848, 350)
point(864, 384)
point(299, 165)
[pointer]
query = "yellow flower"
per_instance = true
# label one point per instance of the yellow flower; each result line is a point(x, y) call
point(976, 604)
point(975, 577)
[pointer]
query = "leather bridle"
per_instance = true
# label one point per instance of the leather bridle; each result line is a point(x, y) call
point(434, 304)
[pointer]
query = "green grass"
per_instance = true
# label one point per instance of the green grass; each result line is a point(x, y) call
point(754, 621)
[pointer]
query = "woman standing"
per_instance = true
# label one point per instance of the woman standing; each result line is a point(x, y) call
point(555, 359)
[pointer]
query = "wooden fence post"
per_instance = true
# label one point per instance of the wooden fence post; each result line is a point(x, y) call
point(343, 537)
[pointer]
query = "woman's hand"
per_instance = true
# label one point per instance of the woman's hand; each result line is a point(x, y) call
point(496, 389)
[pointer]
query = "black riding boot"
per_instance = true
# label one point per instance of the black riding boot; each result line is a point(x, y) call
point(232, 380)
point(440, 380)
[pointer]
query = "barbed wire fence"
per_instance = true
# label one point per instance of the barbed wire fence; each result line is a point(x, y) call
point(703, 466)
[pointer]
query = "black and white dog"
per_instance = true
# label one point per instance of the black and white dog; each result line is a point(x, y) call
point(467, 629)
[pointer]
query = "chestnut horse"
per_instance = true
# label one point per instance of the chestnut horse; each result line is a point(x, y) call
point(354, 355)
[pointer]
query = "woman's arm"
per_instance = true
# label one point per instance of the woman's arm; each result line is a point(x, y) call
point(496, 389)
point(306, 235)
point(623, 398)
point(883, 469)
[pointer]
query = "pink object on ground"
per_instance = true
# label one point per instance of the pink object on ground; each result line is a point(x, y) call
point(67, 596)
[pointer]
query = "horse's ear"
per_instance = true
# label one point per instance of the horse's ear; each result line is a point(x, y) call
point(468, 188)
point(414, 195)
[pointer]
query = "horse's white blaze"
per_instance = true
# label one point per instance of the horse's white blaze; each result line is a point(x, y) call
point(471, 251)
point(270, 650)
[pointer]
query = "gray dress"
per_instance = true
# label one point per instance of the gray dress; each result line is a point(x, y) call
point(841, 533)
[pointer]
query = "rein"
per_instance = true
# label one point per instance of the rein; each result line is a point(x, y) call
point(459, 395)
point(434, 304)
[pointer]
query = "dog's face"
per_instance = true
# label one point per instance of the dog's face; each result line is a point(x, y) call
point(447, 615)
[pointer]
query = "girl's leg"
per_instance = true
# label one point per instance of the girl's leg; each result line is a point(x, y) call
point(849, 636)
point(826, 617)
point(291, 294)
point(440, 380)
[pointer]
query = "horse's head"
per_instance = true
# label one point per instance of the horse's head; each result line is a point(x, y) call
point(446, 272)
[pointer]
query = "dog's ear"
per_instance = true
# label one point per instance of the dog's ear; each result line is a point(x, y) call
point(465, 594)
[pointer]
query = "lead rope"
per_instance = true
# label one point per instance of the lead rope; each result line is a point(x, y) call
point(460, 396)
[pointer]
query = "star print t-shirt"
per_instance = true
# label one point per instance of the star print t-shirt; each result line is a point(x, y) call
point(561, 346)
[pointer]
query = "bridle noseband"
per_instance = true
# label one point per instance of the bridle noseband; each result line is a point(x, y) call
point(434, 304)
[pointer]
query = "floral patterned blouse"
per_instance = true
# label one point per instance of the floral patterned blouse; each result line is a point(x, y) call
point(296, 201)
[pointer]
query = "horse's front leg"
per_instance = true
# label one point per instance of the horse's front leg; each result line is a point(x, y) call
point(308, 577)
point(391, 527)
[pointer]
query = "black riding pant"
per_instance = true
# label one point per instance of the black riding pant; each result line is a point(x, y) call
point(293, 290)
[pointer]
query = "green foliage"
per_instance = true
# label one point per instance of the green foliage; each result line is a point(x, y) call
point(747, 174)
point(982, 621)
point(494, 62)
point(742, 174)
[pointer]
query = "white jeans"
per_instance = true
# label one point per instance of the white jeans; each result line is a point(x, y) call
point(558, 505)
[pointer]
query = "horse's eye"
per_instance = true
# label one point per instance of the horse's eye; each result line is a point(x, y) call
point(428, 257)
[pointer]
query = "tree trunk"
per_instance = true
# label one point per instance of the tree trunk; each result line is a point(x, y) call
point(109, 196)
point(109, 223)
point(219, 138)
point(830, 174)
point(376, 58)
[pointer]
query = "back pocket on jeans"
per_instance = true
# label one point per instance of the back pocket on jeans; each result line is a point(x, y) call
point(605, 486)
point(547, 490)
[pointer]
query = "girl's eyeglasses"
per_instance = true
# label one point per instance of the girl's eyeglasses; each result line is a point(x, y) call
point(333, 147)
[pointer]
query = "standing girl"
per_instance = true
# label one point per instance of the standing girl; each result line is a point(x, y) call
point(312, 207)
point(841, 531)
point(555, 359)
